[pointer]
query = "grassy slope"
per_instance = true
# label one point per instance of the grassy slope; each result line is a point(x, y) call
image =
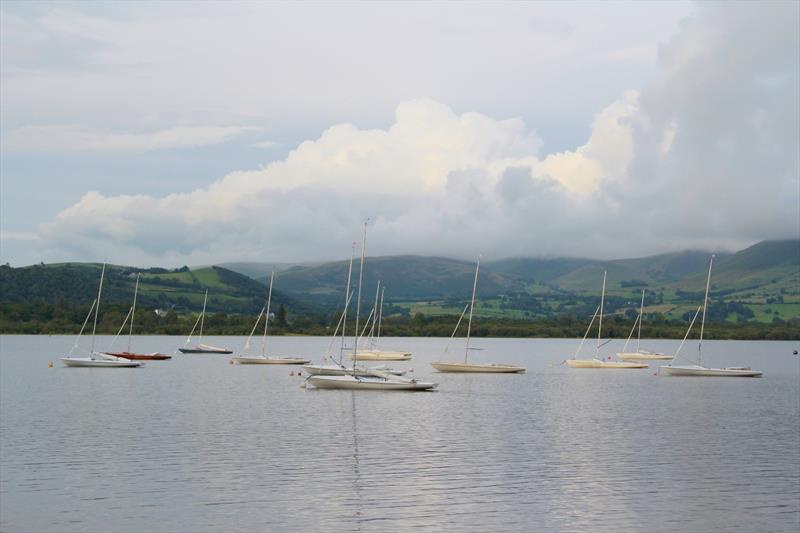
point(77, 283)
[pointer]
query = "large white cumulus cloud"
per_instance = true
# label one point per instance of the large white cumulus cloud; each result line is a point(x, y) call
point(704, 155)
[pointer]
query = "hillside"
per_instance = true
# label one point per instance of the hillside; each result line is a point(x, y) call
point(76, 283)
point(405, 277)
point(758, 283)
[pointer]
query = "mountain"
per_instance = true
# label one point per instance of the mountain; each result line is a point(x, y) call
point(183, 288)
point(407, 277)
point(758, 283)
point(259, 271)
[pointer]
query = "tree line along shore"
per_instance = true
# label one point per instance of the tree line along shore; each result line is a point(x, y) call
point(61, 318)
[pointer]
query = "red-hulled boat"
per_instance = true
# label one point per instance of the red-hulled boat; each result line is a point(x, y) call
point(128, 354)
point(155, 356)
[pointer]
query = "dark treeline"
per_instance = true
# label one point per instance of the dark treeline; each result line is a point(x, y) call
point(64, 318)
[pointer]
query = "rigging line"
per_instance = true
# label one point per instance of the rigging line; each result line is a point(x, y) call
point(86, 321)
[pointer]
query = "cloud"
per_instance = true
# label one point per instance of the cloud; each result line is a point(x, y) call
point(76, 138)
point(705, 154)
point(266, 144)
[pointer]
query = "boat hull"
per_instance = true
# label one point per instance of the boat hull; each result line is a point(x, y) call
point(369, 383)
point(140, 356)
point(222, 351)
point(478, 368)
point(336, 370)
point(269, 360)
point(99, 363)
point(639, 356)
point(701, 371)
point(599, 363)
point(379, 355)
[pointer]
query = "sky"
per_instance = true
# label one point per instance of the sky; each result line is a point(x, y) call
point(196, 133)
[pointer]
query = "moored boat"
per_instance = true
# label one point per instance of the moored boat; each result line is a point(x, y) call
point(697, 369)
point(200, 347)
point(155, 356)
point(466, 366)
point(96, 359)
point(338, 370)
point(597, 361)
point(641, 354)
point(380, 355)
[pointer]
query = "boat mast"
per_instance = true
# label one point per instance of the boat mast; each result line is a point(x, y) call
point(380, 314)
point(358, 300)
point(133, 311)
point(641, 314)
point(266, 317)
point(347, 296)
point(97, 308)
point(472, 306)
point(202, 318)
point(705, 304)
point(374, 314)
point(600, 322)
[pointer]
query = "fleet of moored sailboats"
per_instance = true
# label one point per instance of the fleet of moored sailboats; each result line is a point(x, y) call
point(333, 373)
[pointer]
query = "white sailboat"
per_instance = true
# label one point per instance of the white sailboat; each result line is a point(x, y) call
point(697, 369)
point(596, 361)
point(96, 359)
point(375, 379)
point(336, 366)
point(641, 354)
point(466, 366)
point(200, 347)
point(373, 353)
point(263, 359)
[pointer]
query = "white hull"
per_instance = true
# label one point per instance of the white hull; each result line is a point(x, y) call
point(599, 363)
point(336, 370)
point(269, 360)
point(643, 356)
point(369, 383)
point(701, 371)
point(494, 368)
point(101, 363)
point(380, 355)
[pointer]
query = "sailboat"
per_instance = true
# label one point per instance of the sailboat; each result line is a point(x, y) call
point(641, 354)
point(336, 367)
point(466, 366)
point(374, 379)
point(698, 369)
point(596, 362)
point(374, 353)
point(200, 347)
point(96, 359)
point(263, 359)
point(155, 356)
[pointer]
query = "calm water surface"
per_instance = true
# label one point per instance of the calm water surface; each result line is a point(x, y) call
point(197, 444)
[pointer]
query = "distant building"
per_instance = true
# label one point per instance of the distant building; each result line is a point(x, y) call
point(161, 313)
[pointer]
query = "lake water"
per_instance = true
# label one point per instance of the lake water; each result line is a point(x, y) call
point(196, 444)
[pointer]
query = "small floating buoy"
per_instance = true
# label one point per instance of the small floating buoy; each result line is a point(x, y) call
point(299, 373)
point(291, 373)
point(50, 364)
point(655, 373)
